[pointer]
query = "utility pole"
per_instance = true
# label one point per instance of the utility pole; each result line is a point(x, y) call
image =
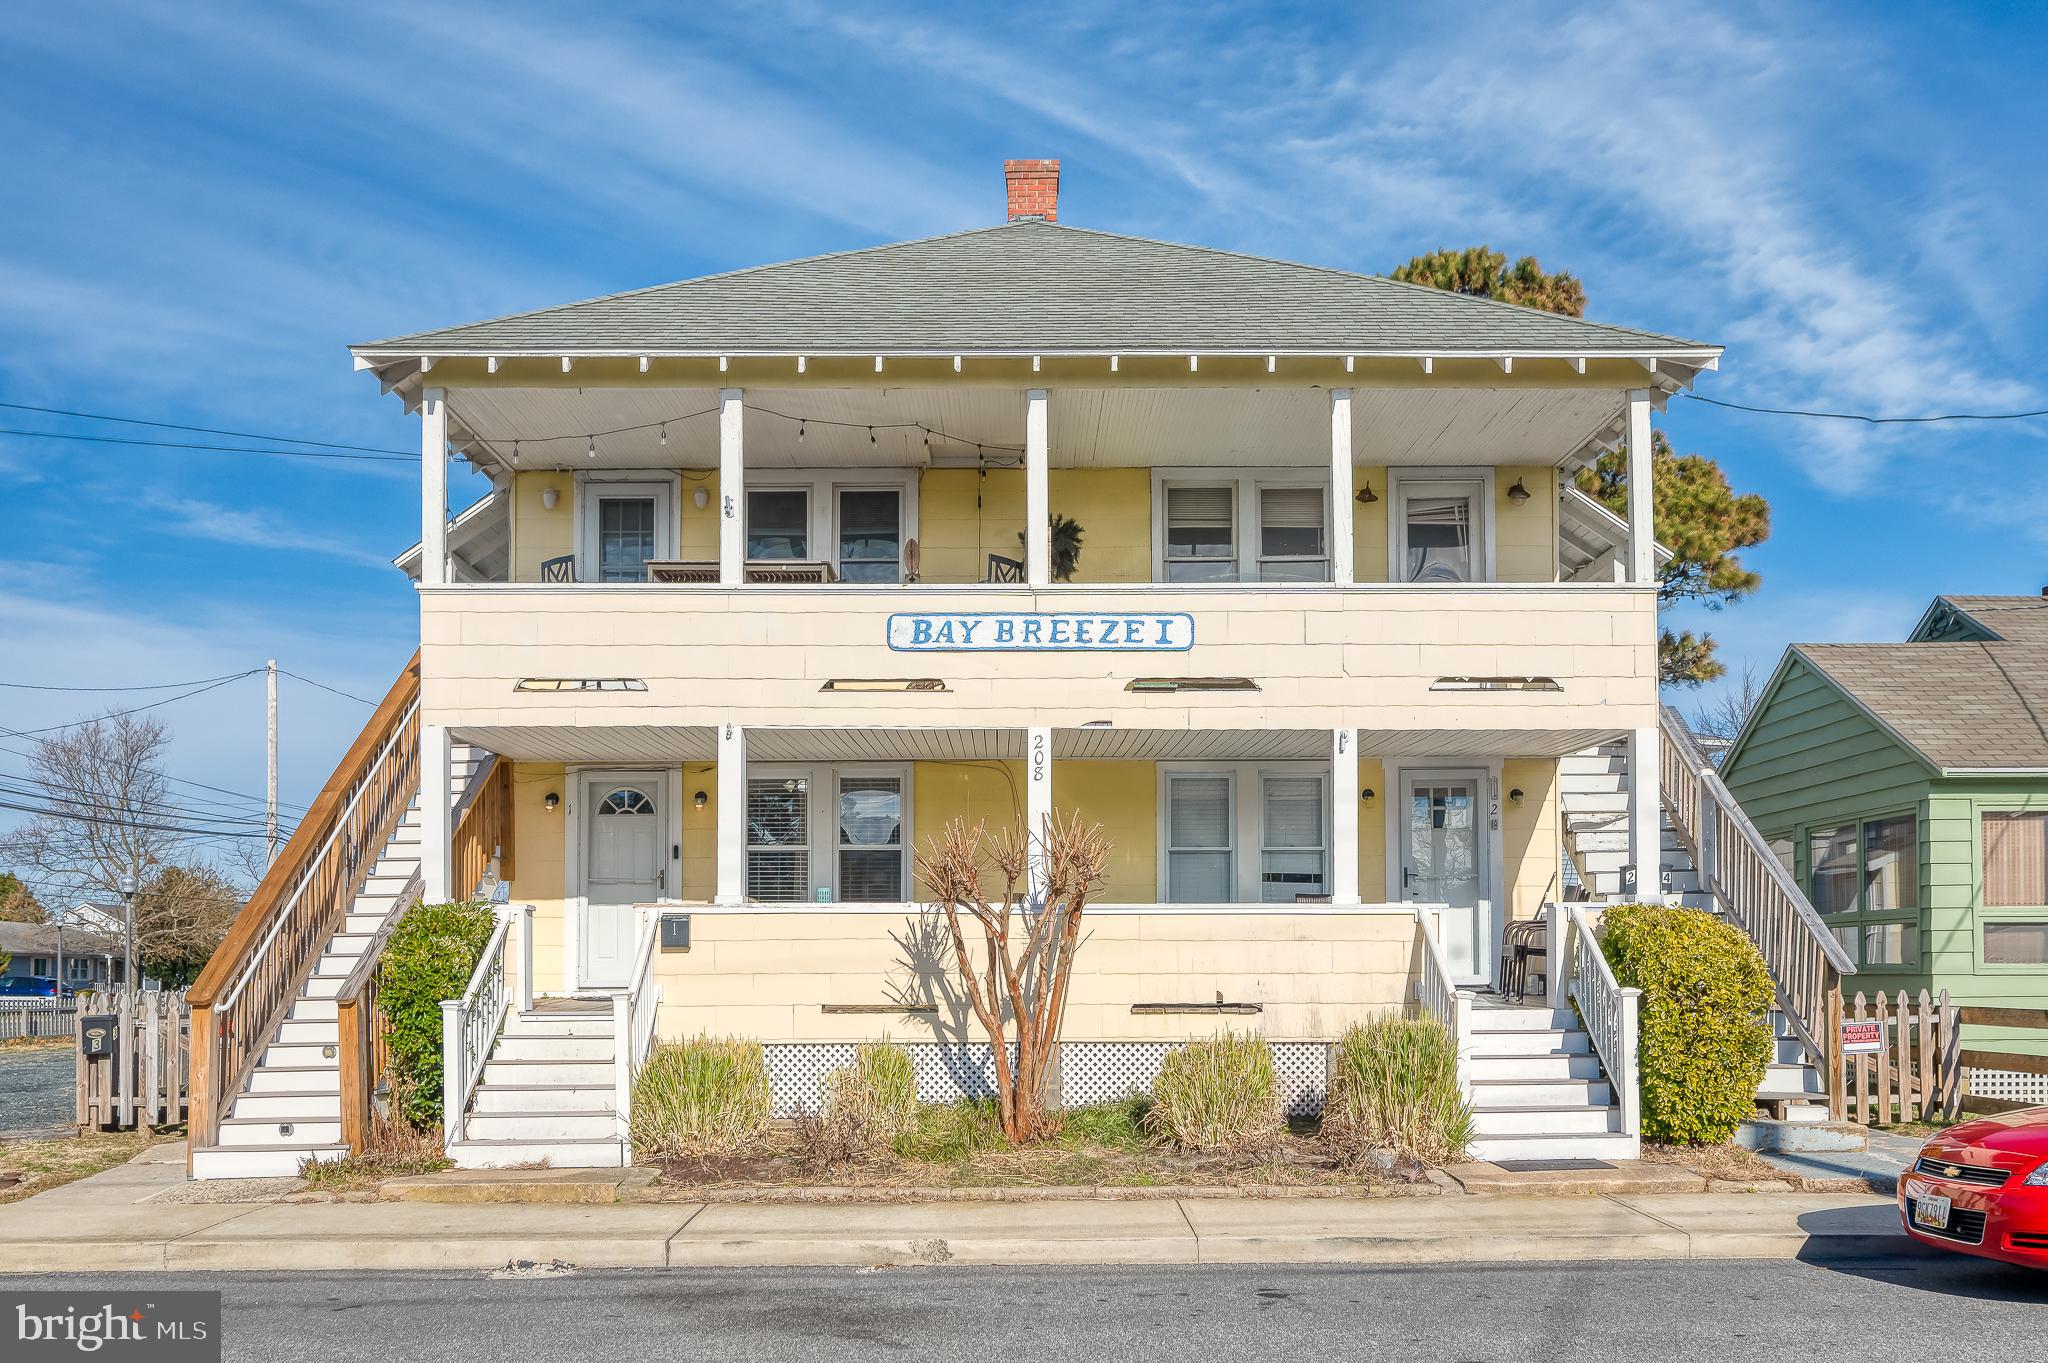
point(270, 806)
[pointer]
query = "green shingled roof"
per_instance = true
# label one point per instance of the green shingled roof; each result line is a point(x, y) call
point(1030, 286)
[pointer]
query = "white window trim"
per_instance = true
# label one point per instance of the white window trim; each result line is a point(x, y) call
point(1322, 778)
point(1400, 481)
point(593, 487)
point(1245, 483)
point(810, 516)
point(824, 486)
point(574, 840)
point(1248, 832)
point(1497, 890)
point(824, 816)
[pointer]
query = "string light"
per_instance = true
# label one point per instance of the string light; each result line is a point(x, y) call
point(515, 451)
point(871, 435)
point(799, 430)
point(664, 433)
point(592, 451)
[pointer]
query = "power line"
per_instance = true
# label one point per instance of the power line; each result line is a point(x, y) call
point(135, 710)
point(218, 449)
point(1868, 420)
point(325, 687)
point(152, 686)
point(124, 823)
point(200, 430)
point(31, 785)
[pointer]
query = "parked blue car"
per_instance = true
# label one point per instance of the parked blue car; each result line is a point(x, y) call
point(34, 987)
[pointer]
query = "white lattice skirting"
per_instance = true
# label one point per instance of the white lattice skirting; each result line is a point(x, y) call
point(2009, 1086)
point(1090, 1071)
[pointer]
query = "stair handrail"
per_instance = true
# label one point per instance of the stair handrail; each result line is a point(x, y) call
point(1612, 1014)
point(635, 1010)
point(361, 1032)
point(1753, 889)
point(469, 1028)
point(263, 962)
point(1439, 996)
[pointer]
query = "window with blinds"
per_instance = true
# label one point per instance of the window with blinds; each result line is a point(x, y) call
point(2016, 944)
point(1293, 546)
point(778, 839)
point(778, 523)
point(870, 535)
point(1294, 857)
point(1201, 545)
point(625, 538)
point(1200, 822)
point(1437, 537)
point(871, 845)
point(2015, 860)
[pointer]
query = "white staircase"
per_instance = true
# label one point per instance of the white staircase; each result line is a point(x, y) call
point(1593, 793)
point(547, 1094)
point(289, 1111)
point(1538, 1089)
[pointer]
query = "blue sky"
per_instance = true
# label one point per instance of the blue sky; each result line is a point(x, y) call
point(206, 203)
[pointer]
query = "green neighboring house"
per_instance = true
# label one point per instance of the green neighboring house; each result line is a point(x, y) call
point(1905, 786)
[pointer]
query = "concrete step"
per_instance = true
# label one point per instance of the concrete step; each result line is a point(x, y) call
point(551, 1046)
point(541, 1127)
point(491, 1098)
point(1529, 1042)
point(586, 1154)
point(259, 1161)
point(1487, 1019)
point(325, 1078)
point(1545, 1121)
point(1542, 1092)
point(557, 1024)
point(1535, 1068)
point(1587, 1146)
point(290, 1105)
point(1790, 1081)
point(575, 1073)
point(238, 1133)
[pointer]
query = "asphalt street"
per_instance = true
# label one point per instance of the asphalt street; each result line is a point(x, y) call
point(35, 1090)
point(1726, 1311)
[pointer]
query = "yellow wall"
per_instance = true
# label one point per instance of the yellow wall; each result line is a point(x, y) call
point(700, 831)
point(1124, 798)
point(1114, 507)
point(1369, 525)
point(1372, 830)
point(537, 869)
point(698, 535)
point(1529, 833)
point(1525, 536)
point(539, 534)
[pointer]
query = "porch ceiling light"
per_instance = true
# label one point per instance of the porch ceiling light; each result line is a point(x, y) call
point(1173, 684)
point(1495, 684)
point(579, 684)
point(884, 684)
point(1518, 494)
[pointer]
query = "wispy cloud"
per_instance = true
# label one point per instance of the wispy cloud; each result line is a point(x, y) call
point(250, 527)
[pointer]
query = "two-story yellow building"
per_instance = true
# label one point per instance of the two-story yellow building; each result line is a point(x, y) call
point(1275, 572)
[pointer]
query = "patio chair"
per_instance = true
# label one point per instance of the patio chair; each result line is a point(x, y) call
point(1002, 569)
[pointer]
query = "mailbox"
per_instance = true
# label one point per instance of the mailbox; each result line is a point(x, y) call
point(675, 932)
point(99, 1035)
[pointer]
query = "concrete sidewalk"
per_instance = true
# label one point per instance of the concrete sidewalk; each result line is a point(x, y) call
point(107, 1222)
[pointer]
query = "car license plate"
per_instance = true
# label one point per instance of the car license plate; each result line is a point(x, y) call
point(1931, 1211)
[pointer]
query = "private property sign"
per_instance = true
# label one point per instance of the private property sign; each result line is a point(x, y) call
point(1862, 1038)
point(1040, 632)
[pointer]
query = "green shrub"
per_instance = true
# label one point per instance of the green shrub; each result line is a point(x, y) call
point(949, 1133)
point(1394, 1086)
point(871, 1102)
point(1218, 1095)
point(429, 957)
point(704, 1096)
point(1705, 1039)
point(1118, 1125)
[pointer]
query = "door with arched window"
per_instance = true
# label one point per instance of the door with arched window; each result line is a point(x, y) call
point(624, 864)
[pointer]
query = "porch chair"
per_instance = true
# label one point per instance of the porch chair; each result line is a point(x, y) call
point(1002, 569)
point(1520, 941)
point(561, 569)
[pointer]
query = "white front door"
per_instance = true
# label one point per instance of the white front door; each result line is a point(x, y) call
point(624, 837)
point(1445, 856)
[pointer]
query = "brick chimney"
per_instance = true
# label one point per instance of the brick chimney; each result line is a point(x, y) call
point(1034, 189)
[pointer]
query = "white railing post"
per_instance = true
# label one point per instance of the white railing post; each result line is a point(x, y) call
point(526, 958)
point(622, 1063)
point(1630, 1078)
point(1556, 967)
point(453, 1063)
point(1461, 1036)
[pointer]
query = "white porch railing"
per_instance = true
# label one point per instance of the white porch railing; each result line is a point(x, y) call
point(469, 1026)
point(1611, 1014)
point(1439, 996)
point(635, 1011)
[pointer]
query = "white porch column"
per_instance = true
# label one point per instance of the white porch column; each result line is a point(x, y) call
point(1344, 816)
point(732, 492)
point(1037, 803)
point(732, 815)
point(433, 488)
point(437, 862)
point(1642, 515)
point(1341, 567)
point(1646, 814)
point(1037, 500)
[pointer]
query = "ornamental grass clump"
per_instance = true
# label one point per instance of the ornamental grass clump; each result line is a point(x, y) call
point(704, 1096)
point(1218, 1096)
point(1705, 1036)
point(429, 956)
point(869, 1103)
point(1394, 1086)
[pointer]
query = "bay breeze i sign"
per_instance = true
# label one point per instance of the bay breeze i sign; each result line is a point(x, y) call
point(1041, 632)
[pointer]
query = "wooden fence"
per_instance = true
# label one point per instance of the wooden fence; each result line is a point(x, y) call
point(36, 1017)
point(146, 1079)
point(2009, 1061)
point(1922, 1070)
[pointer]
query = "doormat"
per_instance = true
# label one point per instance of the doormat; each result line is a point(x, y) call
point(1549, 1166)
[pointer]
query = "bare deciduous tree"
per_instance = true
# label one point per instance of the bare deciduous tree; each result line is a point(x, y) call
point(1723, 719)
point(1026, 950)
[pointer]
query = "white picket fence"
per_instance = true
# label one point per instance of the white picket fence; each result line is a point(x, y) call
point(36, 1018)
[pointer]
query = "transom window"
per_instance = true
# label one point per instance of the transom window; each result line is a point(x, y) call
point(626, 800)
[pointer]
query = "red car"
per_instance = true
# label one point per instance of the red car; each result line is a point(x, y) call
point(1982, 1188)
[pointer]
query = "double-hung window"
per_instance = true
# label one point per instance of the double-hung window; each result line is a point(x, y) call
point(1865, 876)
point(779, 838)
point(1201, 532)
point(1294, 859)
point(622, 527)
point(778, 523)
point(871, 842)
point(2015, 877)
point(1294, 543)
point(1201, 825)
point(870, 535)
point(1439, 529)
